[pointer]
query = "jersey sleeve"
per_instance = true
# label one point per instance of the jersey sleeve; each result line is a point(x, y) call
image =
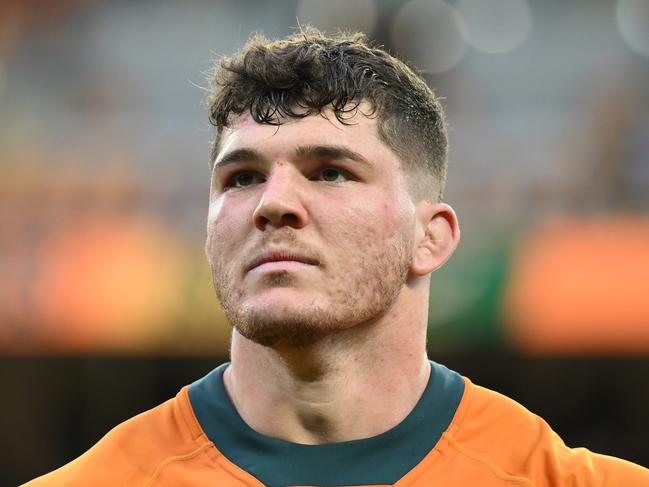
point(136, 451)
point(515, 444)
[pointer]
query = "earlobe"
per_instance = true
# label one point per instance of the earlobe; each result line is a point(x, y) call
point(438, 234)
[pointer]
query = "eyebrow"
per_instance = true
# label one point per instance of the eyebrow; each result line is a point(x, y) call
point(238, 155)
point(330, 152)
point(303, 152)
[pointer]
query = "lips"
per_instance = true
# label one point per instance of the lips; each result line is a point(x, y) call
point(281, 256)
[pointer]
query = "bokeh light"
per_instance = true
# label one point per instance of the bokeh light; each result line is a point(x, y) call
point(496, 26)
point(105, 284)
point(572, 278)
point(633, 23)
point(431, 34)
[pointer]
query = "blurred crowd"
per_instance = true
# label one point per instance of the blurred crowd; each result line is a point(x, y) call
point(104, 176)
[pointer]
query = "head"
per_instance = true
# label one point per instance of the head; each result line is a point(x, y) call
point(310, 73)
point(329, 163)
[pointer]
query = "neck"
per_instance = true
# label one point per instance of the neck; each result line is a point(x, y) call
point(355, 384)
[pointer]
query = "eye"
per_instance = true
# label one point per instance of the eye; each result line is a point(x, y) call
point(332, 175)
point(243, 179)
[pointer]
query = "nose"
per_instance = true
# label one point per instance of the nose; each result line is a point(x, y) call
point(281, 201)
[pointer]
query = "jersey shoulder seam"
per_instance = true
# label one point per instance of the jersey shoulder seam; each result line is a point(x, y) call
point(479, 458)
point(176, 458)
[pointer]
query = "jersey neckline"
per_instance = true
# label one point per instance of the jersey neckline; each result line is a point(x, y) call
point(379, 460)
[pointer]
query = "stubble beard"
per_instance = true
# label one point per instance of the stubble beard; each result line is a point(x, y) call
point(367, 292)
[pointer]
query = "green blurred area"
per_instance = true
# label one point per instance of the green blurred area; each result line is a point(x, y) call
point(467, 296)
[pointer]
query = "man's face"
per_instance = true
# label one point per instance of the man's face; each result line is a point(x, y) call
point(310, 227)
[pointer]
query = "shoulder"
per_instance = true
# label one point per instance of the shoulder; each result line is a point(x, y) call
point(513, 442)
point(133, 451)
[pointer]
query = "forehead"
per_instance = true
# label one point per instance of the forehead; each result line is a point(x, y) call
point(359, 132)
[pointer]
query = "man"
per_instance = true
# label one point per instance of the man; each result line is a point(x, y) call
point(325, 223)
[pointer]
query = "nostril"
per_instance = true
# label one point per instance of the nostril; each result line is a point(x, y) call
point(290, 219)
point(262, 220)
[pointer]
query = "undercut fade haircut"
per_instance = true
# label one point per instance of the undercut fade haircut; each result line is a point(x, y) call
point(310, 72)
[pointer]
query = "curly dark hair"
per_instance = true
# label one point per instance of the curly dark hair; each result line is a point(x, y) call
point(309, 72)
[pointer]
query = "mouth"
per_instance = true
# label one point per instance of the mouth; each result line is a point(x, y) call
point(281, 259)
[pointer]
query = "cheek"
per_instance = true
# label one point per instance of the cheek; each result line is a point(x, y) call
point(226, 223)
point(392, 220)
point(361, 226)
point(214, 209)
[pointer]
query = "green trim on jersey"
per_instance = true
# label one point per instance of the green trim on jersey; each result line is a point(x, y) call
point(378, 460)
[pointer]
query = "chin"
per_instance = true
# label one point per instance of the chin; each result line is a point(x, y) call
point(281, 301)
point(283, 322)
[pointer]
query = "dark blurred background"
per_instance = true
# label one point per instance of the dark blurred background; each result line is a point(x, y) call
point(106, 307)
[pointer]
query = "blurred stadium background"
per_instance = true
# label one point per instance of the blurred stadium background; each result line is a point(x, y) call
point(106, 305)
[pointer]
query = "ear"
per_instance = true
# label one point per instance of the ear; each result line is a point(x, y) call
point(436, 237)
